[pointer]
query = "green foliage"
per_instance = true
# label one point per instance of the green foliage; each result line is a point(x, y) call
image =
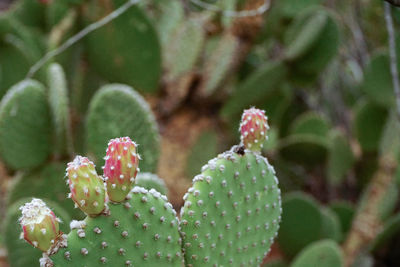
point(345, 213)
point(377, 84)
point(125, 49)
point(331, 225)
point(36, 184)
point(368, 124)
point(310, 123)
point(58, 100)
point(256, 87)
point(143, 231)
point(117, 110)
point(202, 150)
point(231, 214)
point(20, 253)
point(322, 253)
point(25, 126)
point(340, 158)
point(151, 181)
point(294, 234)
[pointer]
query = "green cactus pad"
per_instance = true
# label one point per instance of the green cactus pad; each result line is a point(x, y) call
point(340, 158)
point(232, 212)
point(256, 87)
point(311, 123)
point(25, 126)
point(290, 9)
point(377, 82)
point(345, 213)
point(390, 230)
point(151, 181)
point(369, 123)
point(312, 57)
point(331, 227)
point(322, 253)
point(117, 110)
point(184, 49)
point(126, 50)
point(20, 253)
point(140, 232)
point(205, 147)
point(218, 64)
point(294, 234)
point(36, 184)
point(304, 149)
point(58, 99)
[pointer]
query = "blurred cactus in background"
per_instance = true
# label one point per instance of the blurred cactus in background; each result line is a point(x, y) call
point(149, 91)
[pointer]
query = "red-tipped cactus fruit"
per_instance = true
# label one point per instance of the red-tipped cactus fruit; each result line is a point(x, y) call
point(253, 129)
point(121, 167)
point(40, 226)
point(87, 188)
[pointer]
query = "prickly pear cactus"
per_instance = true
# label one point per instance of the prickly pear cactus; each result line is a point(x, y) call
point(232, 212)
point(142, 231)
point(151, 181)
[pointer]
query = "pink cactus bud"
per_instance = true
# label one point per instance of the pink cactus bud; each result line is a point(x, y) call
point(40, 226)
point(87, 188)
point(120, 168)
point(253, 129)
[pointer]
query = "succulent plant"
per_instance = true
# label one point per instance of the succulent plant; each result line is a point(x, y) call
point(231, 213)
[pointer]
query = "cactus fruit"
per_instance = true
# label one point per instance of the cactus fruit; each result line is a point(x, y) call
point(151, 181)
point(25, 126)
point(87, 188)
point(39, 225)
point(20, 253)
point(117, 110)
point(322, 253)
point(232, 212)
point(121, 167)
point(253, 129)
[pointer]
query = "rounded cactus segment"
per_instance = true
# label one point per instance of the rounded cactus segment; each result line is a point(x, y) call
point(232, 213)
point(126, 50)
point(120, 168)
point(39, 224)
point(322, 253)
point(141, 232)
point(24, 126)
point(253, 129)
point(151, 181)
point(87, 188)
point(117, 110)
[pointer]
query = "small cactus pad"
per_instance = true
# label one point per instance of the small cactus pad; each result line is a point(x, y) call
point(24, 126)
point(322, 253)
point(151, 181)
point(87, 188)
point(253, 129)
point(232, 212)
point(39, 224)
point(140, 232)
point(118, 110)
point(120, 168)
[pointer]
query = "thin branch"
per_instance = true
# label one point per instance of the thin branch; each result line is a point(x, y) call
point(230, 13)
point(77, 37)
point(393, 57)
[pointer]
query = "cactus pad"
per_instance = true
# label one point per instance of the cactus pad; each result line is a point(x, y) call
point(322, 253)
point(140, 232)
point(117, 110)
point(232, 212)
point(24, 126)
point(151, 181)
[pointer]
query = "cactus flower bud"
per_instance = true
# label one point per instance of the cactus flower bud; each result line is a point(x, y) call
point(87, 188)
point(39, 225)
point(253, 129)
point(120, 168)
